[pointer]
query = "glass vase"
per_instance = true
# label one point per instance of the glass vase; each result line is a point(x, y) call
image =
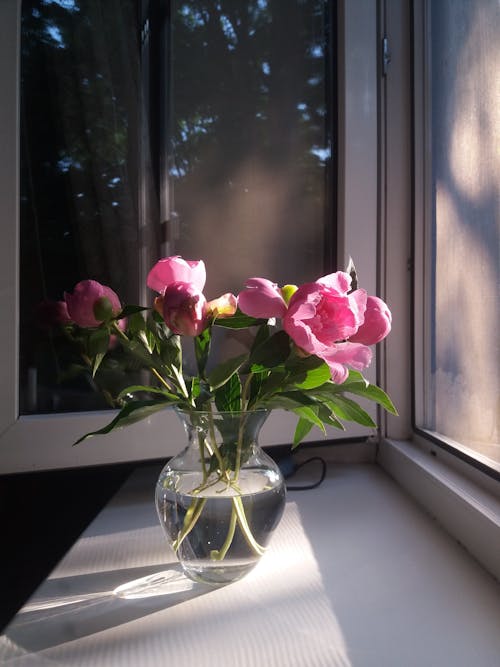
point(221, 498)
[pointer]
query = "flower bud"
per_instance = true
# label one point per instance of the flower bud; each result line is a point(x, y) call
point(103, 310)
point(85, 298)
point(184, 309)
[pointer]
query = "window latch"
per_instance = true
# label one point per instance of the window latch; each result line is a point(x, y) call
point(386, 55)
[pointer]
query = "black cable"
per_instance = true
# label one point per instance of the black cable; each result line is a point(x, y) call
point(297, 467)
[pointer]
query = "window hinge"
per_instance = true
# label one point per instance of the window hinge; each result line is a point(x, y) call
point(386, 55)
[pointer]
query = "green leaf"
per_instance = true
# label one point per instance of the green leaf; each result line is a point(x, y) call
point(130, 414)
point(325, 414)
point(223, 372)
point(310, 414)
point(357, 384)
point(139, 388)
point(228, 396)
point(130, 310)
point(273, 383)
point(98, 342)
point(349, 410)
point(288, 401)
point(136, 323)
point(256, 388)
point(308, 373)
point(374, 393)
point(238, 321)
point(261, 336)
point(202, 349)
point(301, 430)
point(273, 352)
point(97, 362)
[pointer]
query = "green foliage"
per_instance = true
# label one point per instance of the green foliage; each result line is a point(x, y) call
point(273, 374)
point(130, 414)
point(202, 349)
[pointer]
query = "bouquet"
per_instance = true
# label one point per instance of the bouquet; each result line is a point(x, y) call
point(310, 345)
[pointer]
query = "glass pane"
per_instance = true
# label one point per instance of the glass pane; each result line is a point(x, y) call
point(466, 175)
point(243, 109)
point(79, 158)
point(250, 147)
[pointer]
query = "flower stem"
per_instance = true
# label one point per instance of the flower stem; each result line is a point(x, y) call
point(190, 520)
point(245, 528)
point(219, 554)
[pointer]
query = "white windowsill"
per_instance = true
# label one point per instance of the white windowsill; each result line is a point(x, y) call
point(465, 505)
point(357, 575)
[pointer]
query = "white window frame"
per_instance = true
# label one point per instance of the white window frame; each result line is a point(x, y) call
point(42, 442)
point(462, 498)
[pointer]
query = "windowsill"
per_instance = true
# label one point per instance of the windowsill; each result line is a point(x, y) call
point(356, 575)
point(466, 508)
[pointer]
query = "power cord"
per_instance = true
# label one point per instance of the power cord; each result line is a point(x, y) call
point(289, 468)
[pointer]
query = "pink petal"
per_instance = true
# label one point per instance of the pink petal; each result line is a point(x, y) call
point(339, 281)
point(223, 306)
point(175, 269)
point(261, 298)
point(346, 354)
point(376, 325)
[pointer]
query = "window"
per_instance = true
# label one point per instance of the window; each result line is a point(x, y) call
point(457, 269)
point(42, 440)
point(245, 179)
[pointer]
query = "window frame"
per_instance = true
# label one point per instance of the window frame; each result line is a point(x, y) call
point(423, 219)
point(459, 493)
point(43, 442)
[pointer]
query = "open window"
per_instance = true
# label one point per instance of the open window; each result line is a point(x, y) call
point(147, 142)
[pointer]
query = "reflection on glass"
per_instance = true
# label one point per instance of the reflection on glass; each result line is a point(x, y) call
point(79, 212)
point(246, 175)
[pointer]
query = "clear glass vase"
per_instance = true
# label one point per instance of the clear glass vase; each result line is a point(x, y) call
point(221, 498)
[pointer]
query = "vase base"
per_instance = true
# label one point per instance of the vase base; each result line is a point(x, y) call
point(217, 574)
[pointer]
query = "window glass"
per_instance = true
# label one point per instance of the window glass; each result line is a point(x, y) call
point(463, 389)
point(238, 98)
point(79, 211)
point(250, 146)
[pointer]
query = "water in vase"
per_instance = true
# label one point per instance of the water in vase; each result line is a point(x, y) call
point(228, 525)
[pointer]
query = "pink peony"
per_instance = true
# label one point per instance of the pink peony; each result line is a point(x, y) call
point(88, 297)
point(175, 269)
point(261, 298)
point(321, 315)
point(377, 323)
point(184, 309)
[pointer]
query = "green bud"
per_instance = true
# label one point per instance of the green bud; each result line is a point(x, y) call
point(103, 310)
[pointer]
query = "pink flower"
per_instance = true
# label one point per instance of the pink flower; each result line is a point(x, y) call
point(91, 302)
point(175, 269)
point(321, 315)
point(261, 298)
point(324, 313)
point(184, 309)
point(377, 323)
